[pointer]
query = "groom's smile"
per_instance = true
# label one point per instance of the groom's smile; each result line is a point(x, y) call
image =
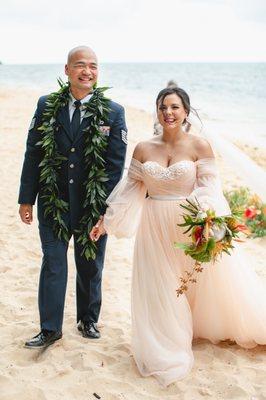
point(82, 72)
point(86, 79)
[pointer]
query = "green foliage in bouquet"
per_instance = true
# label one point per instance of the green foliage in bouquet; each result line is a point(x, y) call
point(210, 237)
point(250, 208)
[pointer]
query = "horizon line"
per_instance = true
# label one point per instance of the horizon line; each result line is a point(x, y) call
point(2, 63)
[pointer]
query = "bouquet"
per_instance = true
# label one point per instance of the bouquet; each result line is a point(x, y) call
point(210, 237)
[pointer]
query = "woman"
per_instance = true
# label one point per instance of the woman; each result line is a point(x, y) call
point(228, 301)
point(157, 127)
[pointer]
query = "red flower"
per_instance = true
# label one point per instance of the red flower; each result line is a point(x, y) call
point(197, 234)
point(250, 212)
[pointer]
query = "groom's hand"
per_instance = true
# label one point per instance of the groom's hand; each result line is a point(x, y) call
point(25, 212)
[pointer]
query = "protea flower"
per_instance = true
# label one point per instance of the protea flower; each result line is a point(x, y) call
point(217, 232)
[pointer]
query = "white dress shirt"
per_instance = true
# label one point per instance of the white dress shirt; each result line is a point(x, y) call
point(72, 106)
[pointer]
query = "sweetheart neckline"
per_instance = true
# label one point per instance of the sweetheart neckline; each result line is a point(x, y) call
point(169, 166)
point(177, 162)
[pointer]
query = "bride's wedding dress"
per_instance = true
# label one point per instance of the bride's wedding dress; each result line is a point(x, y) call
point(227, 302)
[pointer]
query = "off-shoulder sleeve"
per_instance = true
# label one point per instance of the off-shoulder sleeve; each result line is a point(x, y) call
point(125, 203)
point(208, 188)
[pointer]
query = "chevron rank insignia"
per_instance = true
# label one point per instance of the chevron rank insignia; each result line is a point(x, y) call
point(124, 136)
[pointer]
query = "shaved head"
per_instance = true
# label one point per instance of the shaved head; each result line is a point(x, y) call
point(82, 71)
point(80, 49)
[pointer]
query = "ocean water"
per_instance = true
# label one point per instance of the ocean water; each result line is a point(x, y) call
point(230, 98)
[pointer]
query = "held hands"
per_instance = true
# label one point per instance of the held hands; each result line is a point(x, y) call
point(98, 230)
point(25, 212)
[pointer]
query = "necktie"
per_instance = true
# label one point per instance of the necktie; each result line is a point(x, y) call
point(75, 121)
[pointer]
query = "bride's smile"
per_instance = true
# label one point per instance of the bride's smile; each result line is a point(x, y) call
point(171, 112)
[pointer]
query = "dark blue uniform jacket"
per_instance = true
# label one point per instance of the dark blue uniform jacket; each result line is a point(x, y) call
point(72, 173)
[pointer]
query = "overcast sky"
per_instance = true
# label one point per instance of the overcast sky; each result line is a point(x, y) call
point(42, 31)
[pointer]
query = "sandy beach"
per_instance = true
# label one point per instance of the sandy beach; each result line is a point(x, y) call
point(254, 152)
point(76, 368)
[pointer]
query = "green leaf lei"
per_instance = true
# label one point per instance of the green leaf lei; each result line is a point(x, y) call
point(95, 146)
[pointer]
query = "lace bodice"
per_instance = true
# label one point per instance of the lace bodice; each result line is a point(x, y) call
point(177, 179)
point(184, 178)
point(174, 171)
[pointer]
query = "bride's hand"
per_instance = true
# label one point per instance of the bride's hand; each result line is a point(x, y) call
point(97, 231)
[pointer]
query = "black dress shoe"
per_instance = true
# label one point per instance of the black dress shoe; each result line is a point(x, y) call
point(43, 339)
point(89, 330)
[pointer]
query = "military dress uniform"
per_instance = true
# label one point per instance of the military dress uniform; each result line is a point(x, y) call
point(53, 276)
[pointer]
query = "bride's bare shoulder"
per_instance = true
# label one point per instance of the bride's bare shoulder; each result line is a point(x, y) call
point(142, 148)
point(202, 147)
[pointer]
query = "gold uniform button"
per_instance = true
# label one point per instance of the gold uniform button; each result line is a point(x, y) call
point(72, 149)
point(71, 165)
point(71, 181)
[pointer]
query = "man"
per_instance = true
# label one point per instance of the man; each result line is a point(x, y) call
point(66, 186)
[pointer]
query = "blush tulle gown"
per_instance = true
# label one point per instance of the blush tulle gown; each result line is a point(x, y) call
point(227, 302)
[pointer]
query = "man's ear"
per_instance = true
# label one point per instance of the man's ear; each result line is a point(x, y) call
point(66, 69)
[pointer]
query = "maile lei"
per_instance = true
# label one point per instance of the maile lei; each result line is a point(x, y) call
point(95, 146)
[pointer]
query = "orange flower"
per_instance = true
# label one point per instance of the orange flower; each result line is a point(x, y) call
point(232, 223)
point(217, 249)
point(243, 228)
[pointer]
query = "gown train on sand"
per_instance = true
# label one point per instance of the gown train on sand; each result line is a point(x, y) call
point(227, 302)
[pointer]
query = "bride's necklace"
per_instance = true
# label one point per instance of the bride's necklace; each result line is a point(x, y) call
point(170, 152)
point(170, 156)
